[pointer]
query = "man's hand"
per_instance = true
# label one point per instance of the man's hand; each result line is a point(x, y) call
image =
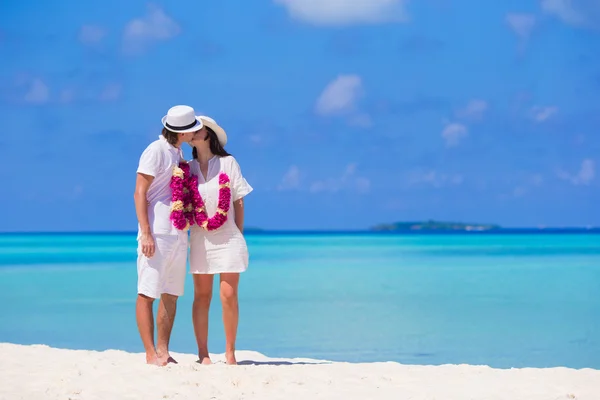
point(148, 245)
point(142, 184)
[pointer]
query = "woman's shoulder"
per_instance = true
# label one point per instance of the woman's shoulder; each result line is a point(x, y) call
point(228, 158)
point(229, 161)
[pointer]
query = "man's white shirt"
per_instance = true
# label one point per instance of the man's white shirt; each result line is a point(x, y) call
point(158, 160)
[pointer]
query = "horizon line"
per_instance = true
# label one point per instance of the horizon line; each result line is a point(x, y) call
point(253, 230)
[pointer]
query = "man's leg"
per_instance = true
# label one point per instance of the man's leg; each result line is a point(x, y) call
point(173, 283)
point(167, 307)
point(145, 323)
point(149, 276)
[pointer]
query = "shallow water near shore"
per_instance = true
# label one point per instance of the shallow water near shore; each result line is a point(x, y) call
point(501, 300)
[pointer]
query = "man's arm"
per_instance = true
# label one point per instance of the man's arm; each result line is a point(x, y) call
point(238, 207)
point(142, 184)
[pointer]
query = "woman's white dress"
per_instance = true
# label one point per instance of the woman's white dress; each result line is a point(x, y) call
point(224, 249)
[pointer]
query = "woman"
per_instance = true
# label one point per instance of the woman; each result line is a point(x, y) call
point(217, 245)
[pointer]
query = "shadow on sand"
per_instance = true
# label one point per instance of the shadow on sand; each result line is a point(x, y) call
point(250, 362)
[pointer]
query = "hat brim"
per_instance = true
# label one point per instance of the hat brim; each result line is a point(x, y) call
point(220, 132)
point(197, 127)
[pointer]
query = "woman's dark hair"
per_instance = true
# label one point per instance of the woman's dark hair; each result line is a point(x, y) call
point(171, 136)
point(215, 145)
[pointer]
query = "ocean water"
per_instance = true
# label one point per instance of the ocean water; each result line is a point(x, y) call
point(507, 300)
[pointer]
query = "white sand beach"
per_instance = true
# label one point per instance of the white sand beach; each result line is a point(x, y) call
point(41, 372)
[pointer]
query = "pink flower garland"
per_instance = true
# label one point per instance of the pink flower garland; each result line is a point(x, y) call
point(182, 215)
point(220, 217)
point(187, 206)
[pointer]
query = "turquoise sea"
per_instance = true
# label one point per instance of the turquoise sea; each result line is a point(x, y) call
point(505, 300)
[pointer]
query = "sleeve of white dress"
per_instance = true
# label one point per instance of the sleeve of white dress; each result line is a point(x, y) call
point(239, 186)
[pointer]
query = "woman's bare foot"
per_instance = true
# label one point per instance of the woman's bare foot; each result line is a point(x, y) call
point(230, 358)
point(204, 358)
point(205, 361)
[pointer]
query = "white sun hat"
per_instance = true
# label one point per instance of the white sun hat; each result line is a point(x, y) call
point(212, 124)
point(181, 119)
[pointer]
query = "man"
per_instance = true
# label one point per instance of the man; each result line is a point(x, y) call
point(162, 248)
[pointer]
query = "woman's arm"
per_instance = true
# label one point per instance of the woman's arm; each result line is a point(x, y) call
point(238, 207)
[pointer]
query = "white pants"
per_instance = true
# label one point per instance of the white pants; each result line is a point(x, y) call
point(165, 271)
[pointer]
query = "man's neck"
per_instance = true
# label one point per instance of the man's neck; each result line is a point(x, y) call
point(178, 144)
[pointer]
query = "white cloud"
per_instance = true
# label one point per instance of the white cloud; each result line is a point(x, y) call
point(340, 96)
point(318, 186)
point(91, 34)
point(527, 183)
point(453, 133)
point(434, 178)
point(361, 120)
point(523, 184)
point(519, 191)
point(38, 92)
point(111, 92)
point(67, 95)
point(585, 175)
point(474, 109)
point(256, 139)
point(363, 185)
point(536, 179)
point(346, 12)
point(153, 27)
point(564, 10)
point(291, 179)
point(541, 114)
point(349, 180)
point(521, 24)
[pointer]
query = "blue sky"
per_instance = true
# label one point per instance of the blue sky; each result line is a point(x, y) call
point(342, 114)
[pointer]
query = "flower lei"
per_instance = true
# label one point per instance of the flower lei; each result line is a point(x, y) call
point(182, 215)
point(220, 217)
point(187, 206)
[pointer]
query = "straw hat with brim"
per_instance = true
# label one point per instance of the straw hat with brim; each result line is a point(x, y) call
point(212, 124)
point(181, 119)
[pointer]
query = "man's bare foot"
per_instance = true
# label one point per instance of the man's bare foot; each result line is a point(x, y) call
point(165, 358)
point(230, 358)
point(153, 359)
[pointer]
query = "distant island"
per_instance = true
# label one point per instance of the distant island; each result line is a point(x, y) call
point(433, 226)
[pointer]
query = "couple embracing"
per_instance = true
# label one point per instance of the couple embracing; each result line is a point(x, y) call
point(204, 197)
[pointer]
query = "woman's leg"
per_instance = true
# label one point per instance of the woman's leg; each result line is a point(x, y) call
point(203, 284)
point(229, 300)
